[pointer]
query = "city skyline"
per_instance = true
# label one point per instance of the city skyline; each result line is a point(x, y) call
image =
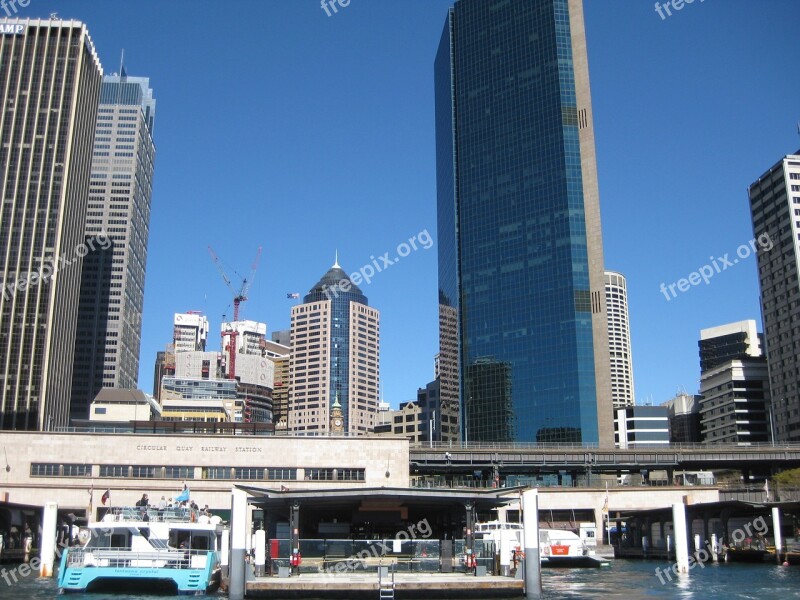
point(654, 81)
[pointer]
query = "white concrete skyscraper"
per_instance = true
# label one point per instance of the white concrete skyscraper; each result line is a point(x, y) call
point(619, 341)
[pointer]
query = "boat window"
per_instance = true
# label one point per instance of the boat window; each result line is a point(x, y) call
point(99, 539)
point(200, 543)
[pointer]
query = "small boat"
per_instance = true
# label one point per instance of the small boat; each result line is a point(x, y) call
point(172, 550)
point(563, 549)
point(558, 548)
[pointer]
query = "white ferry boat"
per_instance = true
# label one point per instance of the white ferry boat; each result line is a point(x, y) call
point(561, 548)
point(557, 547)
point(172, 550)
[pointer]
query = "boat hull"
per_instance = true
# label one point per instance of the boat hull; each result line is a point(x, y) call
point(573, 562)
point(170, 580)
point(748, 556)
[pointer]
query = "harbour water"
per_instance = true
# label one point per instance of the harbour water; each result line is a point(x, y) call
point(623, 579)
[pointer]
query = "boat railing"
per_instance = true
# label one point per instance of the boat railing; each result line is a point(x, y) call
point(425, 555)
point(171, 558)
point(155, 515)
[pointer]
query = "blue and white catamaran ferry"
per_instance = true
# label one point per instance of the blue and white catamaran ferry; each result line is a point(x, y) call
point(173, 550)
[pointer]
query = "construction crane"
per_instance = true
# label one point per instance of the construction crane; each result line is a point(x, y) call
point(238, 298)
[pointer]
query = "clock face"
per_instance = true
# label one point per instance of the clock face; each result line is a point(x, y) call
point(337, 422)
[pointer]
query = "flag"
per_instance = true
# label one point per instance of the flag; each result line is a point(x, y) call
point(284, 488)
point(292, 295)
point(106, 496)
point(184, 495)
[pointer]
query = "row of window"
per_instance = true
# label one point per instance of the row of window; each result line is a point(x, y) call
point(215, 473)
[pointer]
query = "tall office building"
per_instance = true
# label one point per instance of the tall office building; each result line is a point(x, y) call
point(334, 357)
point(50, 80)
point(684, 418)
point(279, 354)
point(520, 244)
point(190, 331)
point(189, 334)
point(775, 212)
point(109, 327)
point(734, 385)
point(619, 341)
point(251, 338)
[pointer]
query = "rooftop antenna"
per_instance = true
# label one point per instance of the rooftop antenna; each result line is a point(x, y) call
point(54, 16)
point(336, 262)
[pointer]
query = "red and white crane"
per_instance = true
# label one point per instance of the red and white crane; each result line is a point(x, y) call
point(238, 298)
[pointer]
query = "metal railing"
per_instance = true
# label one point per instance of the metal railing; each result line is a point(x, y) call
point(443, 481)
point(171, 558)
point(153, 515)
point(595, 446)
point(332, 556)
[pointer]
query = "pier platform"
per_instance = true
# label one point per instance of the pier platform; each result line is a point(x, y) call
point(429, 586)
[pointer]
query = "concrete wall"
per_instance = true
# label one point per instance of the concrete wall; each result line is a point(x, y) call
point(377, 457)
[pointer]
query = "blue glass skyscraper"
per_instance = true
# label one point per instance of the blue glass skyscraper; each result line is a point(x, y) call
point(520, 244)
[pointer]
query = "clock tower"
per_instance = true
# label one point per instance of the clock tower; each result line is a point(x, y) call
point(337, 417)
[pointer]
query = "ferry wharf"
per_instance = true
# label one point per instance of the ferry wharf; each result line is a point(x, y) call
point(373, 543)
point(371, 586)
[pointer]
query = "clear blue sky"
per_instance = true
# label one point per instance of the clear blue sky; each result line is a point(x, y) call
point(279, 126)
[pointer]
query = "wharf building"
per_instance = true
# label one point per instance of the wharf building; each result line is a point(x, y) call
point(50, 79)
point(109, 327)
point(335, 357)
point(775, 211)
point(65, 466)
point(520, 245)
point(734, 385)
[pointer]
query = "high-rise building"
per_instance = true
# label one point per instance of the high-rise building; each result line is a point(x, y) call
point(109, 329)
point(619, 341)
point(279, 355)
point(50, 80)
point(684, 418)
point(734, 385)
point(775, 212)
point(520, 244)
point(190, 332)
point(198, 376)
point(250, 336)
point(281, 337)
point(335, 345)
point(642, 427)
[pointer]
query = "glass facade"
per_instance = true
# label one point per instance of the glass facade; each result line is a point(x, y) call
point(514, 258)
